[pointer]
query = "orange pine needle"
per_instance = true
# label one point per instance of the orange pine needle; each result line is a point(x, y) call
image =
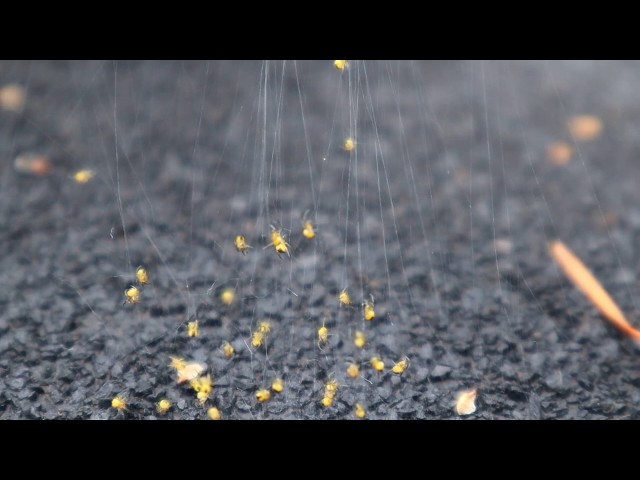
point(587, 283)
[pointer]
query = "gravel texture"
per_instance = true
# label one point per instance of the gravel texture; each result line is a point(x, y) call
point(442, 214)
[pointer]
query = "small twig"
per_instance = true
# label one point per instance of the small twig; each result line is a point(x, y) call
point(587, 283)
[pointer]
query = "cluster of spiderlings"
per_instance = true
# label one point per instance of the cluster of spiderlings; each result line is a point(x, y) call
point(278, 241)
point(330, 392)
point(259, 335)
point(133, 293)
point(192, 372)
point(186, 371)
point(203, 387)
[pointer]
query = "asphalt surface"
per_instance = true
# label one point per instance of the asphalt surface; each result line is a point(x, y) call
point(442, 214)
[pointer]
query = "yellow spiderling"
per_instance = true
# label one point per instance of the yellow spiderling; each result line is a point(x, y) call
point(83, 176)
point(228, 296)
point(228, 350)
point(277, 385)
point(341, 64)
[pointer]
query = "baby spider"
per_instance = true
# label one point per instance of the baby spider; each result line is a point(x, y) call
point(213, 413)
point(241, 244)
point(401, 366)
point(359, 411)
point(349, 145)
point(227, 296)
point(323, 335)
point(277, 385)
point(83, 176)
point(192, 328)
point(331, 386)
point(369, 312)
point(341, 64)
point(119, 403)
point(377, 364)
point(177, 363)
point(344, 298)
point(228, 350)
point(202, 398)
point(353, 370)
point(359, 339)
point(257, 339)
point(132, 295)
point(263, 395)
point(264, 327)
point(308, 229)
point(278, 242)
point(327, 401)
point(142, 276)
point(163, 406)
